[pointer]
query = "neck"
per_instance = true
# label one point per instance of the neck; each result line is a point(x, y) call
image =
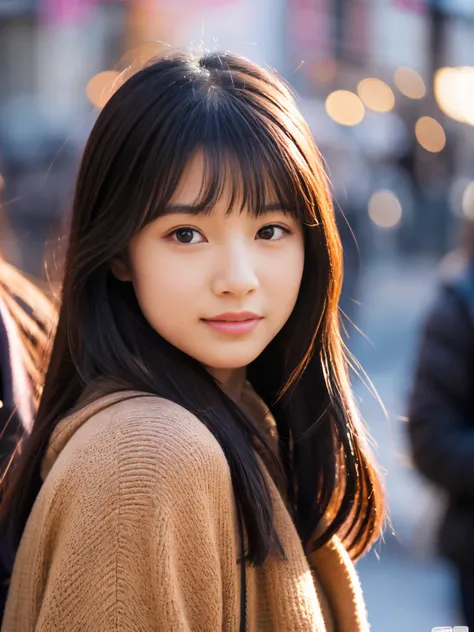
point(231, 380)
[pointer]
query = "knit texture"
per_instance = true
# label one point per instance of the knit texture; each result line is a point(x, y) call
point(135, 529)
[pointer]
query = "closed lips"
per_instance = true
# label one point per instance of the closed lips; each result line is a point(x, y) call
point(237, 317)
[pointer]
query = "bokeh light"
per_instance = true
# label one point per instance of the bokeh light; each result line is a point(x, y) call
point(468, 202)
point(456, 192)
point(101, 87)
point(385, 209)
point(376, 95)
point(345, 107)
point(430, 134)
point(454, 93)
point(410, 83)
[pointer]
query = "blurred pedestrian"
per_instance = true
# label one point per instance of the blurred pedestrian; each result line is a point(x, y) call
point(441, 412)
point(197, 459)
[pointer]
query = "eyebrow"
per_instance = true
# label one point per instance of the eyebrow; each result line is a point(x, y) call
point(192, 209)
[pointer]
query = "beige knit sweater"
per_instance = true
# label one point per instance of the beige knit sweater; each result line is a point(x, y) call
point(135, 530)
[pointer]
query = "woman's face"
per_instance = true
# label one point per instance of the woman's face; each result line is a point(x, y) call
point(191, 272)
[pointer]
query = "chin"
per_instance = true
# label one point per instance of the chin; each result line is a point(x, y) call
point(226, 362)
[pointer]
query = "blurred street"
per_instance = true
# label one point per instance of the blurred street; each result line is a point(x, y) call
point(387, 89)
point(405, 589)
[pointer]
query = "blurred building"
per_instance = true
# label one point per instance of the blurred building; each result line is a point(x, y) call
point(49, 51)
point(355, 46)
point(399, 151)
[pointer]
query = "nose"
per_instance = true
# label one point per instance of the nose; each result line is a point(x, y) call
point(235, 271)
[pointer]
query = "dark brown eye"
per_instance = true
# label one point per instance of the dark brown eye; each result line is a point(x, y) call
point(268, 232)
point(185, 235)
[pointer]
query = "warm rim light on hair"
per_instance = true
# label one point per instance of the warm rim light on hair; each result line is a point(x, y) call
point(345, 107)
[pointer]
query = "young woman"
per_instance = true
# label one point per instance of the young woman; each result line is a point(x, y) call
point(202, 280)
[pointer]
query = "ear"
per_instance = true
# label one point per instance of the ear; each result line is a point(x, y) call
point(120, 269)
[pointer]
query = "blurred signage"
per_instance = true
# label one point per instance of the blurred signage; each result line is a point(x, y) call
point(75, 10)
point(357, 31)
point(71, 11)
point(204, 4)
point(415, 6)
point(65, 10)
point(310, 27)
point(187, 5)
point(316, 30)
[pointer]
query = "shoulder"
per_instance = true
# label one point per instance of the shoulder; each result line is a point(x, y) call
point(150, 419)
point(447, 329)
point(143, 440)
point(445, 352)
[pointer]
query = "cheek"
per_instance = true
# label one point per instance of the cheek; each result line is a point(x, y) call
point(166, 287)
point(286, 275)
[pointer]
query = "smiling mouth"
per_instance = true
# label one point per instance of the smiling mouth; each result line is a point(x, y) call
point(231, 320)
point(233, 327)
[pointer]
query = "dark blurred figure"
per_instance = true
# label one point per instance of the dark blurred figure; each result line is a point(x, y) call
point(441, 411)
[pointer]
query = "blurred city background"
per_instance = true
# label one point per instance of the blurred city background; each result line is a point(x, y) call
point(387, 87)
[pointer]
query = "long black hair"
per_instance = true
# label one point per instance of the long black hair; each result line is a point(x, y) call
point(245, 122)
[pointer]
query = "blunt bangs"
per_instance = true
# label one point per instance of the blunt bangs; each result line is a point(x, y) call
point(247, 142)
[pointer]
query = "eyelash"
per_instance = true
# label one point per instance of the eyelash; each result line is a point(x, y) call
point(286, 230)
